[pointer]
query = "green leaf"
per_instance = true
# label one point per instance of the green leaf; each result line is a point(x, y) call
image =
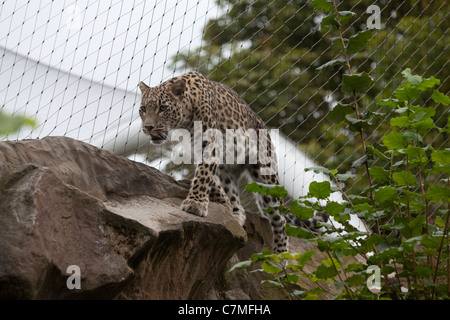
point(404, 178)
point(439, 97)
point(421, 113)
point(441, 161)
point(363, 208)
point(358, 266)
point(10, 124)
point(400, 122)
point(290, 256)
point(375, 239)
point(423, 126)
point(338, 42)
point(270, 267)
point(429, 241)
point(417, 156)
point(330, 64)
point(264, 255)
point(345, 177)
point(375, 215)
point(301, 211)
point(358, 199)
point(386, 269)
point(379, 173)
point(339, 112)
point(330, 21)
point(414, 80)
point(394, 141)
point(267, 189)
point(412, 136)
point(355, 125)
point(298, 232)
point(346, 14)
point(398, 224)
point(241, 265)
point(385, 193)
point(334, 208)
point(319, 169)
point(313, 294)
point(356, 280)
point(306, 257)
point(441, 157)
point(386, 255)
point(359, 162)
point(388, 102)
point(423, 271)
point(406, 92)
point(401, 110)
point(358, 41)
point(439, 222)
point(332, 263)
point(356, 82)
point(436, 194)
point(375, 150)
point(415, 227)
point(323, 5)
point(429, 83)
point(289, 278)
point(320, 190)
point(327, 270)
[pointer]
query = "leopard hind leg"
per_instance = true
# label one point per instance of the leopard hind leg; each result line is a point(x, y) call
point(228, 177)
point(268, 205)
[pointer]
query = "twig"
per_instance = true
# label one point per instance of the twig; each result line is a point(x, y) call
point(355, 99)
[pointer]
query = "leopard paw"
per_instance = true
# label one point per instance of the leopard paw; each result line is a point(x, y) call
point(195, 207)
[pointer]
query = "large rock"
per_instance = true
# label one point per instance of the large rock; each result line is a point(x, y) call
point(66, 203)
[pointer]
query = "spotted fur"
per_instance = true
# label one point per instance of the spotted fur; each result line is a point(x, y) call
point(178, 103)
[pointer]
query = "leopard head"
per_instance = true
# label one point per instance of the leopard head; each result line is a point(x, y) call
point(162, 109)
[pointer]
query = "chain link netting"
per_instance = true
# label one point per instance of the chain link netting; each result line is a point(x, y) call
point(74, 67)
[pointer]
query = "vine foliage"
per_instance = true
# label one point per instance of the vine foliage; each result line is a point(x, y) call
point(405, 205)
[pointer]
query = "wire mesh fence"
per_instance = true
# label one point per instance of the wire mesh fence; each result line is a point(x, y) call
point(74, 68)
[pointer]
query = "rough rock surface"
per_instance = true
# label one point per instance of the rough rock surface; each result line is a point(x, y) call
point(64, 202)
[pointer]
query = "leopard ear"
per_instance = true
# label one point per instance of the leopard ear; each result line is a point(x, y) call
point(178, 88)
point(143, 86)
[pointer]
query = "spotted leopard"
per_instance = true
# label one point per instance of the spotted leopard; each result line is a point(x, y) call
point(183, 101)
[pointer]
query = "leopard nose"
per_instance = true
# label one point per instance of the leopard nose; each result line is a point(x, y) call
point(149, 128)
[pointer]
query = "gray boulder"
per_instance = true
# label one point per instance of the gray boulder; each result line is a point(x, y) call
point(79, 222)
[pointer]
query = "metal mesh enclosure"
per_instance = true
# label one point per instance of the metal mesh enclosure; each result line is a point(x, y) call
point(74, 67)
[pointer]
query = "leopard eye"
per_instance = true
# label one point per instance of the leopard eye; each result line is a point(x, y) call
point(143, 109)
point(162, 107)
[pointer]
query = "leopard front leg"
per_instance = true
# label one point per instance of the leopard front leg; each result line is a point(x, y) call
point(198, 198)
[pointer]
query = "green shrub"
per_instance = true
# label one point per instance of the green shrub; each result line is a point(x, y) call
point(405, 205)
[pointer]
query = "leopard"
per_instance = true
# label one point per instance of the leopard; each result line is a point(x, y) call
point(191, 98)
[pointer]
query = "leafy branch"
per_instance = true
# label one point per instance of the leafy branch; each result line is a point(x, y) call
point(11, 123)
point(407, 198)
point(351, 83)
